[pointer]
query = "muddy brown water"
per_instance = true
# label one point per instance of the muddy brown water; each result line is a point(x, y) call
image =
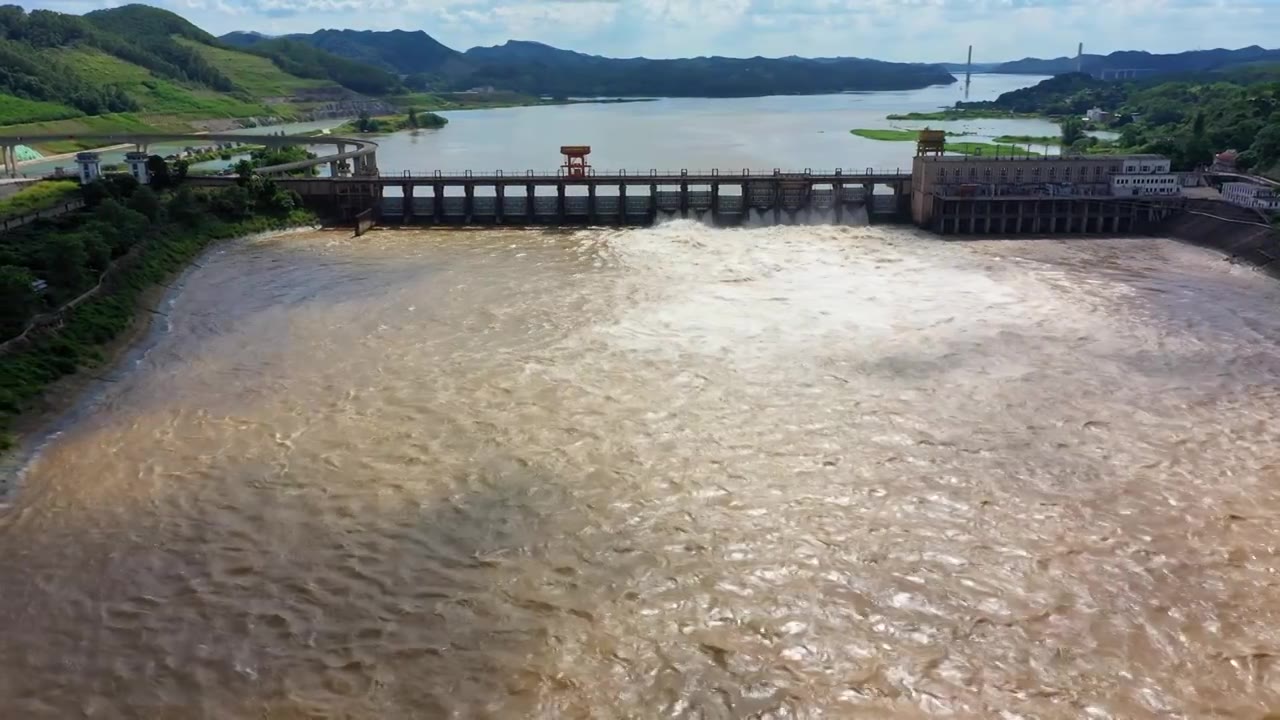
point(674, 472)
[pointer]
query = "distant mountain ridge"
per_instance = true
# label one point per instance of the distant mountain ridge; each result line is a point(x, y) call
point(539, 69)
point(148, 65)
point(1143, 62)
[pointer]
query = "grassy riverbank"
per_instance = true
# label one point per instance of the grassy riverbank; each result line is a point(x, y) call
point(960, 148)
point(958, 114)
point(106, 258)
point(894, 135)
point(1029, 139)
point(412, 120)
point(38, 196)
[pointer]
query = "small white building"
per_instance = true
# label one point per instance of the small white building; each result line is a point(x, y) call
point(138, 167)
point(1097, 115)
point(90, 167)
point(1145, 175)
point(1248, 195)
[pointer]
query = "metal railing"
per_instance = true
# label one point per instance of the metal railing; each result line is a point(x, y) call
point(651, 173)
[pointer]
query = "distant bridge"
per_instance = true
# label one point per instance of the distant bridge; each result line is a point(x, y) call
point(362, 153)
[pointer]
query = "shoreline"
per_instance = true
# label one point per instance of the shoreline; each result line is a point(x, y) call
point(65, 400)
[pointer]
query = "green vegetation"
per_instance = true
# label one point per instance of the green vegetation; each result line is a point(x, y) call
point(989, 149)
point(264, 157)
point(1072, 131)
point(960, 148)
point(1187, 120)
point(412, 120)
point(895, 135)
point(257, 76)
point(150, 93)
point(1028, 140)
point(38, 196)
point(16, 109)
point(139, 59)
point(535, 69)
point(961, 114)
point(160, 234)
point(303, 60)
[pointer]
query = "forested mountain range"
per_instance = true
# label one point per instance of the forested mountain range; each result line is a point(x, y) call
point(136, 58)
point(1148, 64)
point(535, 68)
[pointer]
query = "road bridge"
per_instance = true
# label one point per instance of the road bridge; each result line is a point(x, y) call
point(624, 197)
point(361, 153)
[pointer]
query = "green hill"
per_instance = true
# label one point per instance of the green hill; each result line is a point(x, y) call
point(137, 67)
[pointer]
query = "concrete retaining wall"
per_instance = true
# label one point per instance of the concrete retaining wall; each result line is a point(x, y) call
point(1240, 233)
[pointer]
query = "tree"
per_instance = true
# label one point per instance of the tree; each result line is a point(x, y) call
point(364, 123)
point(412, 120)
point(1266, 146)
point(122, 185)
point(145, 201)
point(1072, 130)
point(18, 299)
point(65, 259)
point(159, 171)
point(244, 171)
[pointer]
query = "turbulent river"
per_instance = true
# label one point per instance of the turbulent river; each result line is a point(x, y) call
point(681, 472)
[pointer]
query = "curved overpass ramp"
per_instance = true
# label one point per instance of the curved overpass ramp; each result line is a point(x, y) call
point(362, 153)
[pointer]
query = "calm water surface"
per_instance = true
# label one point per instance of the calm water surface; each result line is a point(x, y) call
point(782, 472)
point(788, 132)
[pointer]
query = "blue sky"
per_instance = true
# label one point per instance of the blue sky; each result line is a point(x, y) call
point(909, 30)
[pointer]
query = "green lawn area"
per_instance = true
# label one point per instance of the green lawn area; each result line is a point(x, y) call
point(256, 75)
point(16, 109)
point(39, 196)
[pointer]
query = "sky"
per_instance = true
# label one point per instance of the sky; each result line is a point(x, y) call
point(902, 30)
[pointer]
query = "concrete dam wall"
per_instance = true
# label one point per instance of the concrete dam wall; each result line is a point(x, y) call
point(1237, 232)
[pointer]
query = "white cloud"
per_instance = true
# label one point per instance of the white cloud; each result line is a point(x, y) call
point(909, 30)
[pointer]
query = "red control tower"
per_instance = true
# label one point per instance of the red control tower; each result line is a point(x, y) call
point(575, 159)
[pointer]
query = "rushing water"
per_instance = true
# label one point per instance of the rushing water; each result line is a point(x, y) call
point(778, 472)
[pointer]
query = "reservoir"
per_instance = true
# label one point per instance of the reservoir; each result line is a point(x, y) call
point(777, 472)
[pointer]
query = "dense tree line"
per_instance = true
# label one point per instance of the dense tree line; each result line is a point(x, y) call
point(584, 76)
point(163, 232)
point(534, 68)
point(25, 75)
point(1187, 119)
point(70, 253)
point(134, 33)
point(303, 60)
